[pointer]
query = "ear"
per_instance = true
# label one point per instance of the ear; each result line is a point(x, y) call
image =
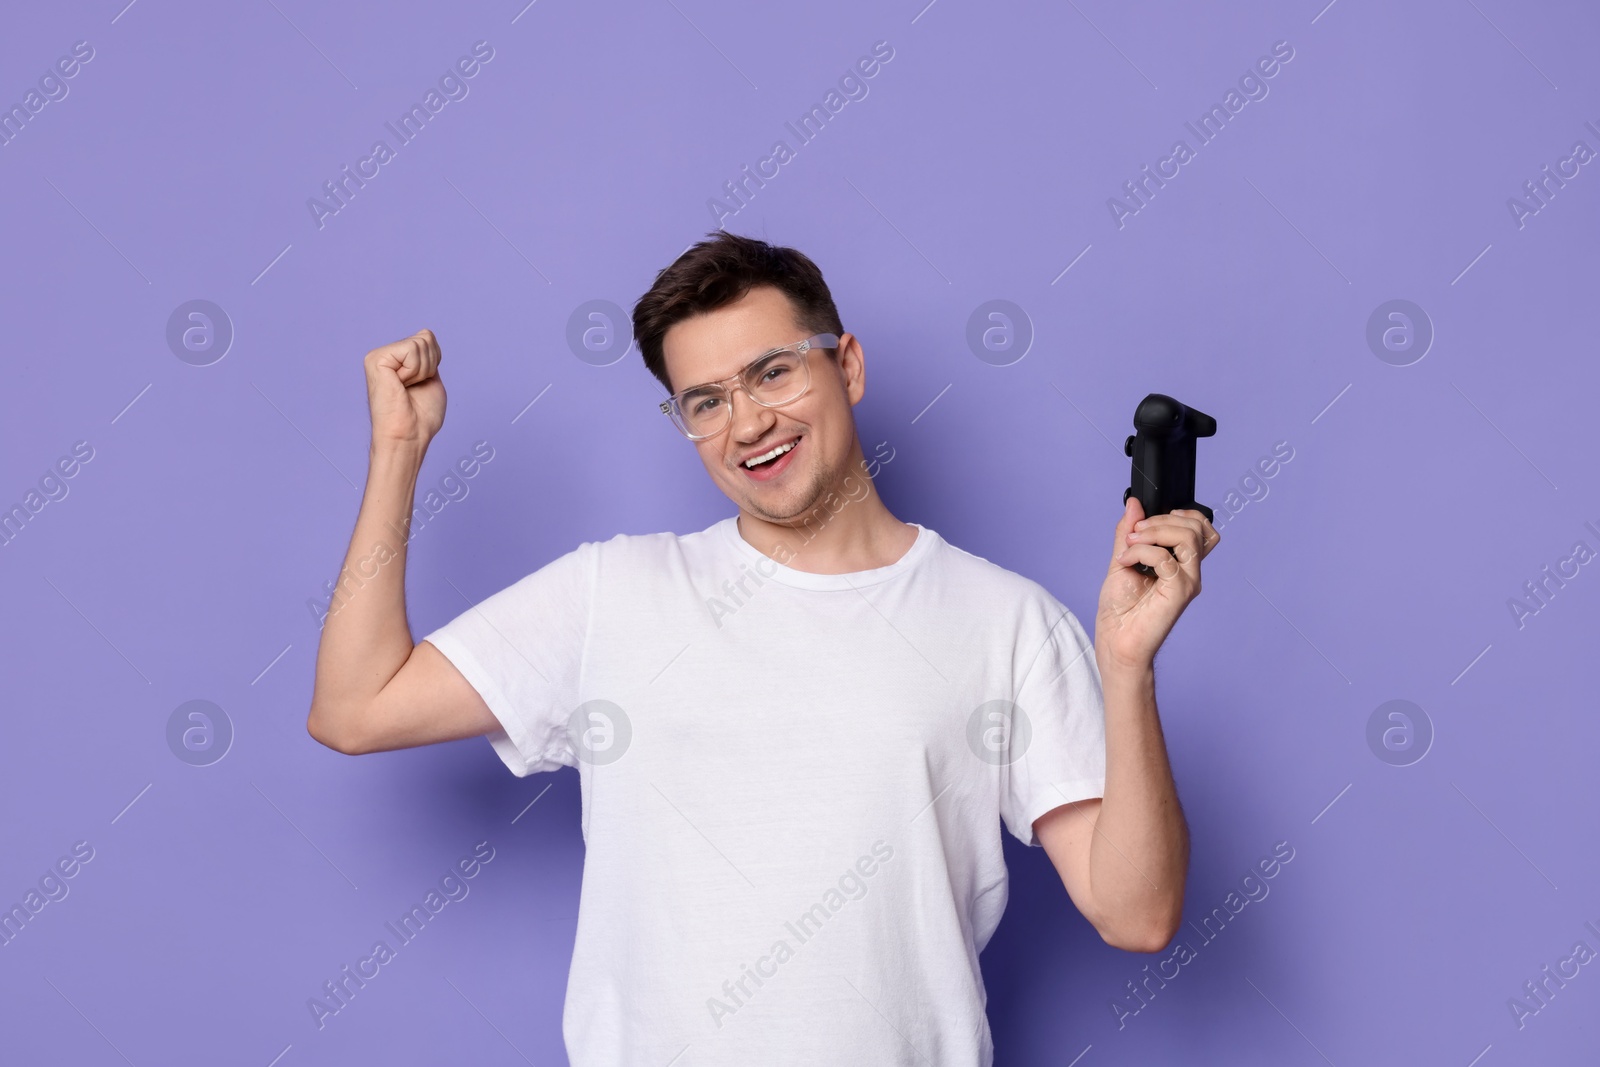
point(852, 364)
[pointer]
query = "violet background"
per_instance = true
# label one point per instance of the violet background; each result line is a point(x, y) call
point(1378, 565)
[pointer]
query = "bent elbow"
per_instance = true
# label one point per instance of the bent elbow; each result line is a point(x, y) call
point(1143, 937)
point(1145, 941)
point(326, 733)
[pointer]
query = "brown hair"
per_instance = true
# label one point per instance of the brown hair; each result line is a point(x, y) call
point(716, 272)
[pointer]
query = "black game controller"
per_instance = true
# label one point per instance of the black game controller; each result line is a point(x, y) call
point(1163, 458)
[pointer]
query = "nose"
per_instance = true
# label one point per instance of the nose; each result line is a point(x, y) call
point(749, 419)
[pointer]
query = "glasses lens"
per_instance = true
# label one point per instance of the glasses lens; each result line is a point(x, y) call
point(701, 412)
point(778, 378)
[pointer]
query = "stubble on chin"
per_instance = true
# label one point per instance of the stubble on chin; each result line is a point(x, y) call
point(809, 498)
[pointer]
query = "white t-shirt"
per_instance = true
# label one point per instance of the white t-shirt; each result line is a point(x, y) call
point(793, 786)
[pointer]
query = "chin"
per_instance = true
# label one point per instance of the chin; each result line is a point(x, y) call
point(781, 507)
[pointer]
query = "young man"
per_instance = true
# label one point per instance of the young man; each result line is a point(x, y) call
point(798, 732)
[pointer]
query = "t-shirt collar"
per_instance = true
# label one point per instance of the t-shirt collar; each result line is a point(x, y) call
point(768, 567)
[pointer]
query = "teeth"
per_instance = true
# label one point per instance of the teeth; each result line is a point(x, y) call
point(776, 452)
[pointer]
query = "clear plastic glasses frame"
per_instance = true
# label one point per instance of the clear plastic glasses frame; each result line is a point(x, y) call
point(748, 379)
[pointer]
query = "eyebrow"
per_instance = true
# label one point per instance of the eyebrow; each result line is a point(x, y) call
point(706, 385)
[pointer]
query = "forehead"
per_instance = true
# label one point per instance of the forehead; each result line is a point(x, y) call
point(717, 344)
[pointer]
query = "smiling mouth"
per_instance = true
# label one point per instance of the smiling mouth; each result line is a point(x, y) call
point(767, 459)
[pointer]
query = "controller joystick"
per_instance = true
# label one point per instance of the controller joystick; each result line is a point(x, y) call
point(1163, 452)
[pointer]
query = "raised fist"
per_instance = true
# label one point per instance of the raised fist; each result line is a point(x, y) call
point(404, 391)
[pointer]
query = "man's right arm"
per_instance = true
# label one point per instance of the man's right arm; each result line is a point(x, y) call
point(376, 688)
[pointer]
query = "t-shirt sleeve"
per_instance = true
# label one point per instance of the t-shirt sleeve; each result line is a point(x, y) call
point(1058, 740)
point(522, 650)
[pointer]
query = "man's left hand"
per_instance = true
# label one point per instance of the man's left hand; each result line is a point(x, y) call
point(1137, 611)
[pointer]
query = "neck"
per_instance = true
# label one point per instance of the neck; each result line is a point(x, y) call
point(848, 529)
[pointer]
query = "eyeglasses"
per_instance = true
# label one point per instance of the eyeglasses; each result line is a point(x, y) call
point(780, 377)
